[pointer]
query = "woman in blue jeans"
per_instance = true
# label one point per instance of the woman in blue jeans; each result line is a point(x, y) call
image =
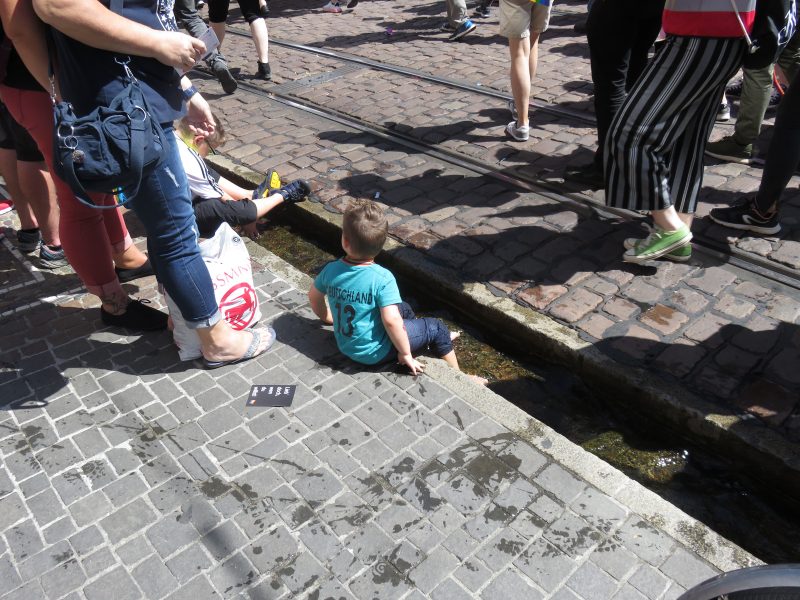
point(88, 40)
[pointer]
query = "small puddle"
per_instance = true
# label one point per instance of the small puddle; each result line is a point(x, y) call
point(703, 486)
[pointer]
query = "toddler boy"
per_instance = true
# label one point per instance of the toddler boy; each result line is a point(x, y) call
point(371, 323)
point(217, 200)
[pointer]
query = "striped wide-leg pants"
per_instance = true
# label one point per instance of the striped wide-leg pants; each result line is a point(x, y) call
point(655, 145)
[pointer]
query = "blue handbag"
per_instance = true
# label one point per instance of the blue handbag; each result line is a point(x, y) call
point(112, 148)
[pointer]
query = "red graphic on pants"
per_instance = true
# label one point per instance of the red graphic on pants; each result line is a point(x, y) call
point(239, 305)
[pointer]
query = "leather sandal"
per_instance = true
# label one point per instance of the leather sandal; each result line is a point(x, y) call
point(252, 349)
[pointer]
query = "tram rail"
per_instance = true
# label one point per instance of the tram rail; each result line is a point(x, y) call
point(709, 248)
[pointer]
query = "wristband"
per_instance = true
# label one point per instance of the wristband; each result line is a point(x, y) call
point(189, 92)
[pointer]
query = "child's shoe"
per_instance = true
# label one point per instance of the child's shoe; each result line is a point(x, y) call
point(295, 191)
point(270, 184)
point(332, 7)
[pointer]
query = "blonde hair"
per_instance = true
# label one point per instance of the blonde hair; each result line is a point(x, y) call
point(365, 227)
point(216, 139)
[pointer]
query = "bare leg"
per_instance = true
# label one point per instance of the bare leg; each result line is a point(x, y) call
point(520, 76)
point(258, 29)
point(219, 30)
point(8, 169)
point(669, 219)
point(450, 359)
point(41, 193)
point(130, 258)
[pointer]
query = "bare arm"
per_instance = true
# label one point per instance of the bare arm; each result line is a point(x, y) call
point(317, 301)
point(26, 31)
point(232, 190)
point(91, 23)
point(393, 322)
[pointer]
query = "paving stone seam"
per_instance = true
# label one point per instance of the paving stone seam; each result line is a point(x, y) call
point(754, 443)
point(585, 465)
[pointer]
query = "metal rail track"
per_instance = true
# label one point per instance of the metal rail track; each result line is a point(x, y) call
point(715, 251)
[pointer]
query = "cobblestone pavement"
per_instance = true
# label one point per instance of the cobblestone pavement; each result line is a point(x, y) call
point(127, 474)
point(726, 334)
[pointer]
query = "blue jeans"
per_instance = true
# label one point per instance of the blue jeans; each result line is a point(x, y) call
point(164, 206)
point(424, 333)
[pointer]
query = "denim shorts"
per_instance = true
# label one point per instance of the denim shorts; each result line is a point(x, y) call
point(424, 333)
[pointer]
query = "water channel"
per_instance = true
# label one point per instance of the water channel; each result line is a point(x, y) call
point(704, 486)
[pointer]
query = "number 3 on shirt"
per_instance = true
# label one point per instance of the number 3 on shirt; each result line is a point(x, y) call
point(345, 327)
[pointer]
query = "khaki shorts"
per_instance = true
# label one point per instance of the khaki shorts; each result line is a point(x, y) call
point(519, 17)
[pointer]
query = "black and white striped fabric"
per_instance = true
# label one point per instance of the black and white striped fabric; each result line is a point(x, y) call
point(654, 149)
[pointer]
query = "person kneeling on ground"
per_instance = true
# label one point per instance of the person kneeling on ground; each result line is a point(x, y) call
point(371, 323)
point(217, 200)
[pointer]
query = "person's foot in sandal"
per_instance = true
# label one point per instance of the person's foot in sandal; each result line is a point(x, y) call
point(262, 340)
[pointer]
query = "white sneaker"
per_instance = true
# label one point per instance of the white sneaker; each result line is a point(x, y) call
point(332, 7)
point(518, 133)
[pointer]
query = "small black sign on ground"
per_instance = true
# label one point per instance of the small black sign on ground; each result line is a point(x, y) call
point(271, 395)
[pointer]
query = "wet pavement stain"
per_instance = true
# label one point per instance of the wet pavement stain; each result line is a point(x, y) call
point(214, 487)
point(383, 572)
point(510, 547)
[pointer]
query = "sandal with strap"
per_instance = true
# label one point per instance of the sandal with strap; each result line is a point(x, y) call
point(252, 349)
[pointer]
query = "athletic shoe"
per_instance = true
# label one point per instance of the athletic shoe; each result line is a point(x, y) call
point(730, 150)
point(332, 7)
point(512, 108)
point(482, 11)
point(724, 113)
point(295, 191)
point(6, 206)
point(520, 134)
point(446, 27)
point(29, 241)
point(463, 29)
point(657, 244)
point(681, 254)
point(220, 69)
point(52, 258)
point(271, 183)
point(735, 88)
point(745, 216)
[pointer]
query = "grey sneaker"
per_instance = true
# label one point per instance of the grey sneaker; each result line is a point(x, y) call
point(519, 133)
point(50, 258)
point(29, 241)
point(220, 69)
point(724, 113)
point(730, 150)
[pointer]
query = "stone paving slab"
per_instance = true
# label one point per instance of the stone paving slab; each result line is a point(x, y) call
point(707, 327)
point(128, 474)
point(723, 333)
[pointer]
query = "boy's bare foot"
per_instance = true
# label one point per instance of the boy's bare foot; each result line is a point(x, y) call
point(454, 335)
point(477, 379)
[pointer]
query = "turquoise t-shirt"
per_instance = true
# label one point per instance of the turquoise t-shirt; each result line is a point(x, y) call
point(356, 294)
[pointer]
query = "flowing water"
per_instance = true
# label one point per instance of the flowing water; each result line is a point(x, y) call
point(704, 486)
